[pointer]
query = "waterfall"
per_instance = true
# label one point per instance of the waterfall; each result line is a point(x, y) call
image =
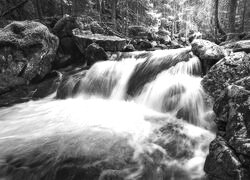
point(165, 81)
point(140, 118)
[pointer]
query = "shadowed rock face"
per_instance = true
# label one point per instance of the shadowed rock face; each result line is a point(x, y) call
point(33, 91)
point(68, 52)
point(229, 156)
point(228, 83)
point(227, 71)
point(27, 50)
point(95, 53)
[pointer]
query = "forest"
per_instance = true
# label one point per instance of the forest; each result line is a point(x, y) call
point(214, 19)
point(124, 89)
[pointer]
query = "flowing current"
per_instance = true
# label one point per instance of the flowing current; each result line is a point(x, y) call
point(140, 118)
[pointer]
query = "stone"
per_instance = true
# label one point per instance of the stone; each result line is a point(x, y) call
point(128, 48)
point(27, 52)
point(230, 69)
point(193, 36)
point(68, 84)
point(209, 53)
point(161, 46)
point(175, 45)
point(237, 46)
point(247, 36)
point(143, 45)
point(138, 32)
point(64, 27)
point(95, 53)
point(108, 43)
point(163, 32)
point(96, 28)
point(222, 163)
point(68, 52)
point(164, 40)
point(229, 155)
point(9, 82)
point(23, 92)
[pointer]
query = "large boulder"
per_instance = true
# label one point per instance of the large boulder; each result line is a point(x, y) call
point(108, 43)
point(225, 72)
point(222, 163)
point(229, 156)
point(139, 32)
point(209, 53)
point(27, 51)
point(237, 46)
point(95, 53)
point(142, 45)
point(36, 91)
point(68, 52)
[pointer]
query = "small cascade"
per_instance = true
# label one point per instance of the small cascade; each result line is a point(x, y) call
point(177, 90)
point(165, 81)
point(140, 118)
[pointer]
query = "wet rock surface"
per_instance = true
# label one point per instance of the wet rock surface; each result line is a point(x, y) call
point(24, 93)
point(209, 53)
point(69, 83)
point(27, 51)
point(229, 156)
point(228, 83)
point(230, 69)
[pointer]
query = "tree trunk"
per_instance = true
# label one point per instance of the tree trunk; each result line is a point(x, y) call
point(61, 4)
point(244, 16)
point(75, 7)
point(217, 22)
point(232, 14)
point(114, 4)
point(39, 9)
point(137, 12)
point(127, 19)
point(99, 8)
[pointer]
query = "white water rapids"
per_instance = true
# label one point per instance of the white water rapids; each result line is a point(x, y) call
point(157, 133)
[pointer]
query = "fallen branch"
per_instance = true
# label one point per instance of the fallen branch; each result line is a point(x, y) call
point(14, 8)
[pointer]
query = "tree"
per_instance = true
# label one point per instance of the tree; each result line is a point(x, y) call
point(232, 14)
point(113, 7)
point(39, 9)
point(217, 22)
point(244, 15)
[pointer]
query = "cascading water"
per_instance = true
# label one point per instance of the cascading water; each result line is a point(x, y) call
point(135, 119)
